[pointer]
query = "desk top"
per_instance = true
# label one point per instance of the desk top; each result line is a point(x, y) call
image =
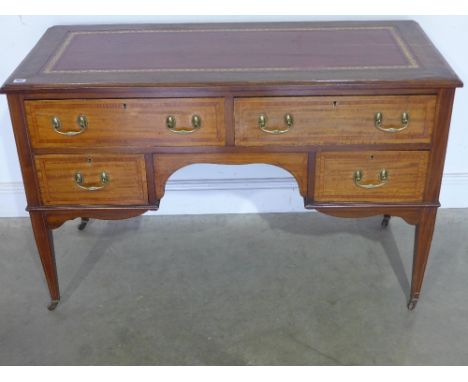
point(390, 53)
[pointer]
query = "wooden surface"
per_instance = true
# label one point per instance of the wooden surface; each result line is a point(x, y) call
point(126, 122)
point(333, 120)
point(166, 164)
point(332, 78)
point(374, 52)
point(126, 172)
point(407, 171)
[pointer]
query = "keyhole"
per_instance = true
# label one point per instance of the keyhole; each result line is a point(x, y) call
point(89, 160)
point(335, 104)
point(124, 106)
point(371, 157)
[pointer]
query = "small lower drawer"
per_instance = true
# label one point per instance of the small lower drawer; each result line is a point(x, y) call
point(377, 176)
point(92, 179)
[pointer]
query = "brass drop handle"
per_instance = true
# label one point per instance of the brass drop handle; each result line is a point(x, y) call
point(171, 125)
point(81, 120)
point(378, 121)
point(104, 178)
point(383, 178)
point(288, 121)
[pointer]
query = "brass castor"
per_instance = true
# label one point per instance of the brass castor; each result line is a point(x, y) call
point(412, 303)
point(83, 223)
point(53, 304)
point(385, 221)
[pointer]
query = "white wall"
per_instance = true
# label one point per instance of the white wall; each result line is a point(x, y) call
point(231, 189)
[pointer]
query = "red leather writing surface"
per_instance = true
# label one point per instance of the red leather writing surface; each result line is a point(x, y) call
point(233, 49)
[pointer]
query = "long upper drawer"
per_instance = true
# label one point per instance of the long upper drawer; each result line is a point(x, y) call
point(334, 120)
point(126, 122)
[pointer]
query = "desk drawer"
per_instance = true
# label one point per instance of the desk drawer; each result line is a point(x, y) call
point(380, 176)
point(334, 120)
point(126, 122)
point(92, 179)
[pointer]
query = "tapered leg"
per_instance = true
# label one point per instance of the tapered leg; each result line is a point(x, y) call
point(45, 246)
point(422, 246)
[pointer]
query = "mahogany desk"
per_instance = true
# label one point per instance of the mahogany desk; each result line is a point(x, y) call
point(357, 112)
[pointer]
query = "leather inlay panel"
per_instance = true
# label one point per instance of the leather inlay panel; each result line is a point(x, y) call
point(235, 49)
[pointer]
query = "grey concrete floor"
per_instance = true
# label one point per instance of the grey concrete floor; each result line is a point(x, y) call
point(275, 289)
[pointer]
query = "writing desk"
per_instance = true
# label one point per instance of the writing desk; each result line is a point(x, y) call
point(357, 112)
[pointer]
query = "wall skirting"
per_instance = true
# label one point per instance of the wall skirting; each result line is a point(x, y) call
point(240, 195)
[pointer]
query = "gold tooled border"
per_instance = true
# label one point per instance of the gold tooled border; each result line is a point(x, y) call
point(404, 48)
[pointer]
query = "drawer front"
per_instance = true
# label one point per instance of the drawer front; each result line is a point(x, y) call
point(333, 120)
point(92, 179)
point(380, 176)
point(126, 122)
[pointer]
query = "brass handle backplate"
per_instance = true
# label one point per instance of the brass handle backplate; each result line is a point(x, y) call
point(81, 121)
point(378, 122)
point(104, 178)
point(288, 121)
point(383, 178)
point(171, 125)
